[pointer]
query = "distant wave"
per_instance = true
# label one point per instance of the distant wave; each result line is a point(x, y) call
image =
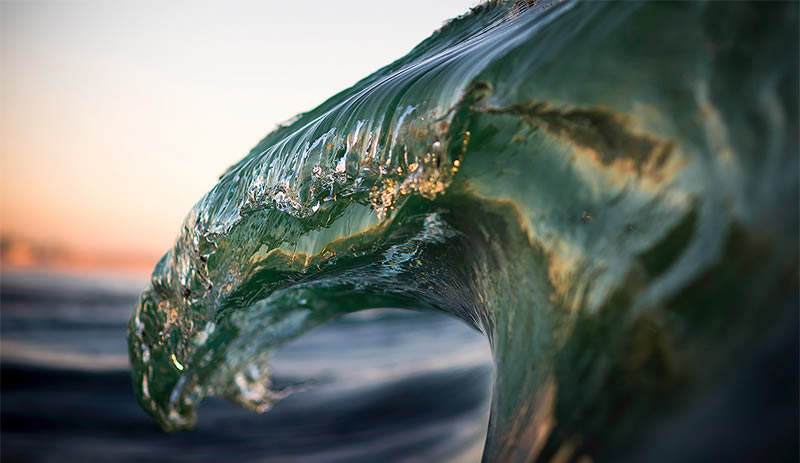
point(31, 354)
point(608, 191)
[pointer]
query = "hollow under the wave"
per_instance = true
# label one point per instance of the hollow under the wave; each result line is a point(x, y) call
point(389, 384)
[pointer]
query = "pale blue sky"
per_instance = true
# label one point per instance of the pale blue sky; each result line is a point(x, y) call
point(116, 117)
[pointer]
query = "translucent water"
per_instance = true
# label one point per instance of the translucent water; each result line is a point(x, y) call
point(608, 191)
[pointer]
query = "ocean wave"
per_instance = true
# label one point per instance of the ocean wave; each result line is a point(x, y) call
point(607, 191)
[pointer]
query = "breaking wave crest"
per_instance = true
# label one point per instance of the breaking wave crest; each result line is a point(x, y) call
point(607, 191)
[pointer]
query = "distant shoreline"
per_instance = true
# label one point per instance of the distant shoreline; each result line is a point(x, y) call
point(22, 255)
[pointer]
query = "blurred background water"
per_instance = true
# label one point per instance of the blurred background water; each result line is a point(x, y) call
point(381, 384)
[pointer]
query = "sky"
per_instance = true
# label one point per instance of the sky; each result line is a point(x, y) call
point(117, 116)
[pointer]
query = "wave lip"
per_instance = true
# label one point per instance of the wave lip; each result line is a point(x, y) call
point(593, 188)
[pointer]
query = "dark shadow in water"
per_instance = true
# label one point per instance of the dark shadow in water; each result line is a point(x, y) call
point(57, 415)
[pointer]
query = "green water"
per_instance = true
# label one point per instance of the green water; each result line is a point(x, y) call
point(608, 191)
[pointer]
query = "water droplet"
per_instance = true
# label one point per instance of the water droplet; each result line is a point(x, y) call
point(176, 362)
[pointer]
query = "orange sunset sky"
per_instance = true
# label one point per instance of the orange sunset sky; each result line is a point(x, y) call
point(117, 116)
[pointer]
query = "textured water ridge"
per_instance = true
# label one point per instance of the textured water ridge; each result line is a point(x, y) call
point(607, 191)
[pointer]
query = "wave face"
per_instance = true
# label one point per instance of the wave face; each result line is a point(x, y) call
point(608, 191)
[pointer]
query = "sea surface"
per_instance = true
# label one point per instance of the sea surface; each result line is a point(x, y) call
point(381, 385)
